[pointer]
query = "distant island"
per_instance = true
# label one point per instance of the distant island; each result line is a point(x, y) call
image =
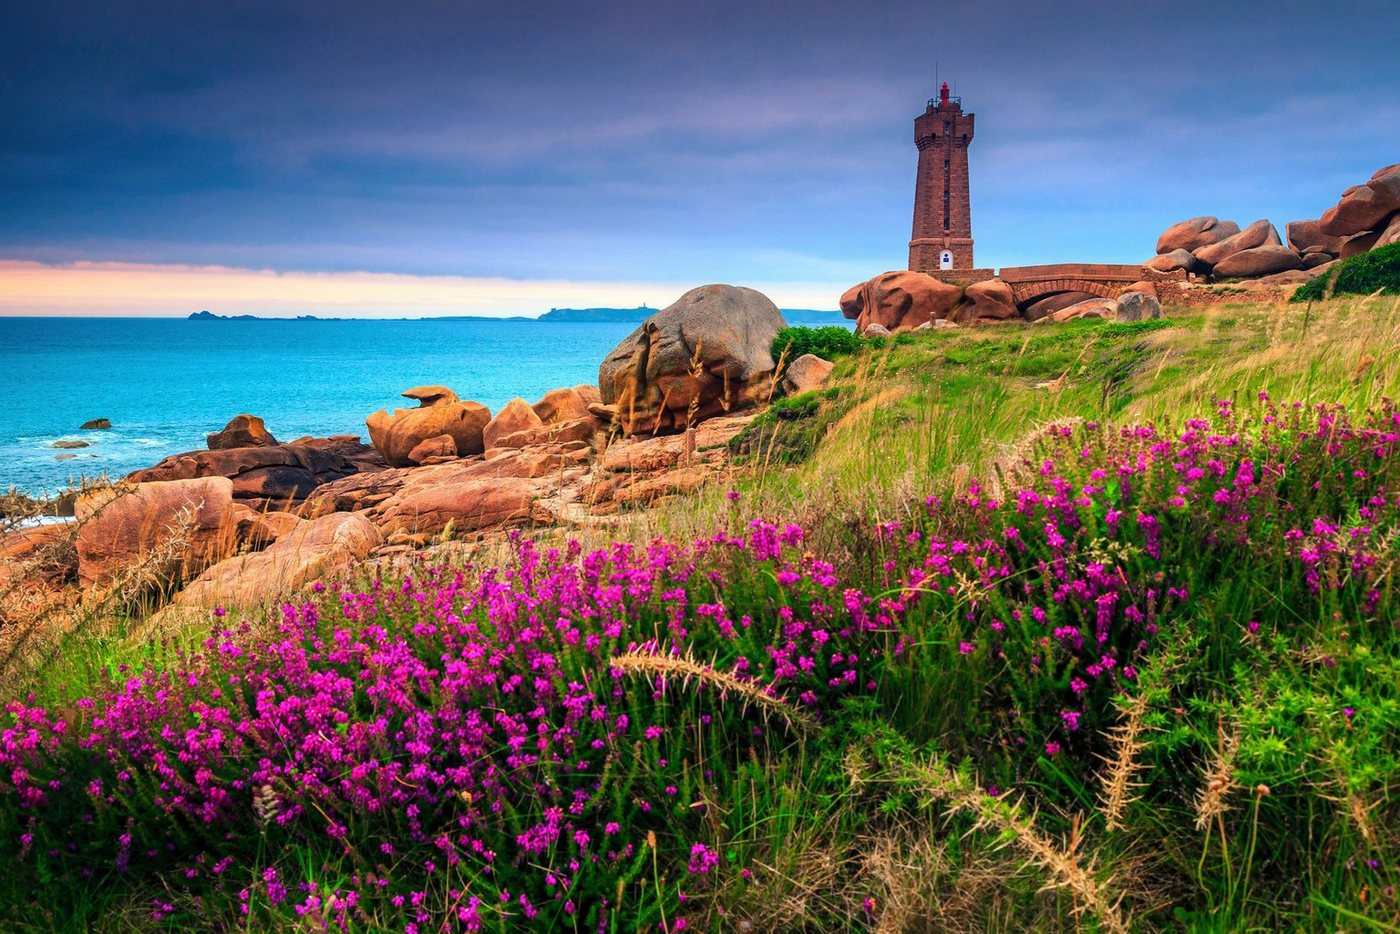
point(210, 316)
point(642, 312)
point(554, 315)
point(598, 315)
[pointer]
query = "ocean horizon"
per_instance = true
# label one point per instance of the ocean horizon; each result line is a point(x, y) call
point(166, 383)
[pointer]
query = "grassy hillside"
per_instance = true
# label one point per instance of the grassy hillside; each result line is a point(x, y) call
point(1076, 627)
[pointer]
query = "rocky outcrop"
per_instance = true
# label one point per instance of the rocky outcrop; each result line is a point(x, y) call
point(95, 424)
point(988, 300)
point(269, 477)
point(309, 551)
point(1137, 306)
point(1260, 233)
point(242, 431)
point(184, 522)
point(1191, 235)
point(515, 426)
point(476, 494)
point(356, 492)
point(1366, 217)
point(1365, 207)
point(1307, 237)
point(562, 405)
point(806, 373)
point(705, 355)
point(899, 301)
point(439, 412)
point(466, 505)
point(1259, 261)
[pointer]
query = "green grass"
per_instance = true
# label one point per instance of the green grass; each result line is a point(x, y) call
point(1375, 271)
point(939, 407)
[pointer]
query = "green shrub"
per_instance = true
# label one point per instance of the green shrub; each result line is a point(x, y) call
point(827, 342)
point(1377, 270)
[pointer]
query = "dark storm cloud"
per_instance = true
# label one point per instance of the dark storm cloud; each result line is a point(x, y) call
point(665, 140)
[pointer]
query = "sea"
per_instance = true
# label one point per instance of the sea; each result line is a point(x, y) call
point(165, 383)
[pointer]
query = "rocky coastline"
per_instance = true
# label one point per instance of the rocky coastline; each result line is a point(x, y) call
point(252, 517)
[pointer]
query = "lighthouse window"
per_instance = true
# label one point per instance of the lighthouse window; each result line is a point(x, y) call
point(947, 126)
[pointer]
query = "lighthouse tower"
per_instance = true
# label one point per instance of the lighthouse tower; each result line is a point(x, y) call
point(942, 237)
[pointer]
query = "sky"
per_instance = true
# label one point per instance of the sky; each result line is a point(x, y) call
point(505, 158)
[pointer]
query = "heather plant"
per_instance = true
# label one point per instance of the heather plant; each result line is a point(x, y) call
point(469, 750)
point(1148, 659)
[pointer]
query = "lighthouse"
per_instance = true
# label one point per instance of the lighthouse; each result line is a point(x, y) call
point(942, 237)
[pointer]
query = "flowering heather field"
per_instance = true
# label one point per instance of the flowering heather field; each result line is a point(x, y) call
point(1141, 677)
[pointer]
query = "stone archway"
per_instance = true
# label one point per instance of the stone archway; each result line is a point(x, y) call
point(1025, 293)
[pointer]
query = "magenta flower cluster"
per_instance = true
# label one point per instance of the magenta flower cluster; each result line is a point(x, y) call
point(460, 737)
point(460, 748)
point(1061, 589)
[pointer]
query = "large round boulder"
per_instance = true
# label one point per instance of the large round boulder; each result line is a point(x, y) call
point(988, 300)
point(1259, 261)
point(806, 373)
point(1137, 306)
point(516, 420)
point(439, 412)
point(242, 431)
point(707, 354)
point(1191, 235)
point(1259, 233)
point(899, 301)
point(179, 525)
point(564, 405)
point(1172, 261)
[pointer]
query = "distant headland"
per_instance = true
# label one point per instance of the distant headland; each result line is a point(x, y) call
point(554, 316)
point(210, 316)
point(599, 315)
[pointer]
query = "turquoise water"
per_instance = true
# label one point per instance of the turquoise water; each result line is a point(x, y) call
point(166, 383)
